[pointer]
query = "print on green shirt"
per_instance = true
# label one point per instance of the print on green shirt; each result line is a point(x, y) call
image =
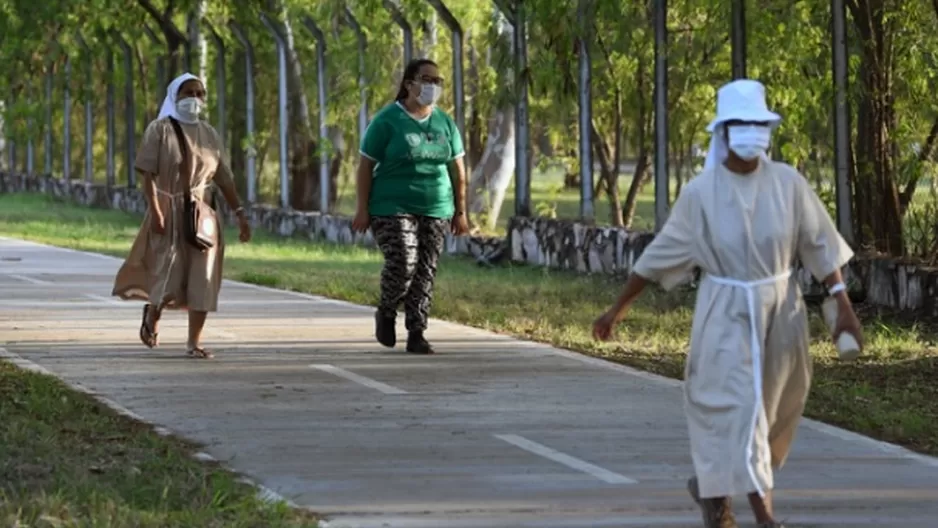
point(411, 175)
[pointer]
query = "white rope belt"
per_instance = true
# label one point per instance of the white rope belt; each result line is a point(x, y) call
point(174, 240)
point(755, 347)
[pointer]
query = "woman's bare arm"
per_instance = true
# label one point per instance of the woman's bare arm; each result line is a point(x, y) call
point(366, 167)
point(457, 175)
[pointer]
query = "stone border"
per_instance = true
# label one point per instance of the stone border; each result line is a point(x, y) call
point(559, 244)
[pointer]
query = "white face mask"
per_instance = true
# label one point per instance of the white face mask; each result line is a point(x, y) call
point(189, 108)
point(749, 141)
point(429, 94)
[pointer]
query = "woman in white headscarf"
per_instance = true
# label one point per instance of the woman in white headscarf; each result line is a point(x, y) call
point(743, 221)
point(164, 268)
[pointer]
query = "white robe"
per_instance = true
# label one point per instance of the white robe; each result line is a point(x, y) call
point(739, 229)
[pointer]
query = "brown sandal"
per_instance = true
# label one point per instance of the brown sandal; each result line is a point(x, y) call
point(199, 353)
point(717, 513)
point(147, 336)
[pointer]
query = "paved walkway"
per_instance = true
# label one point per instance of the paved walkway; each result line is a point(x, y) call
point(492, 432)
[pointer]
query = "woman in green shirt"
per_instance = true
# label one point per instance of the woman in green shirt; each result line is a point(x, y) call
point(411, 190)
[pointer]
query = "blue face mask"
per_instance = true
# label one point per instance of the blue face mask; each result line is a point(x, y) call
point(189, 108)
point(749, 141)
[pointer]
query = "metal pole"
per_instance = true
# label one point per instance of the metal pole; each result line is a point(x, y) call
point(9, 132)
point(311, 26)
point(282, 102)
point(67, 123)
point(661, 113)
point(47, 150)
point(841, 122)
point(89, 107)
point(522, 171)
point(111, 173)
point(30, 141)
point(161, 80)
point(587, 209)
point(394, 8)
point(129, 110)
point(249, 95)
point(738, 38)
point(459, 96)
point(362, 71)
point(220, 86)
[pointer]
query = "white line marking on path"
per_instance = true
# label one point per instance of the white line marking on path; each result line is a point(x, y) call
point(101, 298)
point(361, 380)
point(842, 434)
point(562, 458)
point(26, 278)
point(264, 493)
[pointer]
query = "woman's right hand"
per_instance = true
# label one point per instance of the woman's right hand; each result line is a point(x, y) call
point(362, 221)
point(157, 222)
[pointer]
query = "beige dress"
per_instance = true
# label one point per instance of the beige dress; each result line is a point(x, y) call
point(166, 269)
point(749, 370)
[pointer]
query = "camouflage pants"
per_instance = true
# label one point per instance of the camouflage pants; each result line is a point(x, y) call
point(411, 246)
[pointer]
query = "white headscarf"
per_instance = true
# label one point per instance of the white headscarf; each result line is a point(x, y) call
point(169, 102)
point(743, 100)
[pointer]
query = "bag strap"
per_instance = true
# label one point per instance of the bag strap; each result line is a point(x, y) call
point(184, 151)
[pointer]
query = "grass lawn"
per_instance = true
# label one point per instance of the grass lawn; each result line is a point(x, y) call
point(890, 394)
point(67, 460)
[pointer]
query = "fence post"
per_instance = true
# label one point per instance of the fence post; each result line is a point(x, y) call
point(459, 96)
point(662, 179)
point(111, 165)
point(842, 158)
point(523, 172)
point(320, 37)
point(89, 109)
point(161, 81)
point(129, 109)
point(220, 86)
point(282, 105)
point(251, 151)
point(47, 150)
point(738, 38)
point(394, 8)
point(67, 122)
point(585, 89)
point(362, 71)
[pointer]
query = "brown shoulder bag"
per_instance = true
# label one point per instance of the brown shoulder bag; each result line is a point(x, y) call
point(199, 222)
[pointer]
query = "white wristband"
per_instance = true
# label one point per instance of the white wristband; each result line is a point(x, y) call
point(837, 288)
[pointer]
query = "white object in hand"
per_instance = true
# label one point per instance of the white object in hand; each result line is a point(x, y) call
point(847, 346)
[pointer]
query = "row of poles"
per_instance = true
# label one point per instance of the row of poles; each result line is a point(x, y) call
point(514, 12)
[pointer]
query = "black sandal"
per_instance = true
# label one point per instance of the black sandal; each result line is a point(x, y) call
point(199, 353)
point(147, 336)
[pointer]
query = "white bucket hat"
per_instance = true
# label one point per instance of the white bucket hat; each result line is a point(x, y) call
point(739, 100)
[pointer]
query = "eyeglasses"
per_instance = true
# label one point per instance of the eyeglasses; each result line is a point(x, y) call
point(431, 80)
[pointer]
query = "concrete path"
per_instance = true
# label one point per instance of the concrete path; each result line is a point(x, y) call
point(492, 432)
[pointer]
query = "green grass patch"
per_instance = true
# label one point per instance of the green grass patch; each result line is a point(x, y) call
point(67, 460)
point(889, 394)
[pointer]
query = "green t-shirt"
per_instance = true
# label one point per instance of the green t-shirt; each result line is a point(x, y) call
point(411, 175)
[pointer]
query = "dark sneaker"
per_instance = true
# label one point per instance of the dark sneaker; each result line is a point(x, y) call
point(384, 330)
point(717, 513)
point(416, 344)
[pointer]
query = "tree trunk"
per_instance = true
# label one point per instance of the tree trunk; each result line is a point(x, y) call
point(492, 175)
point(876, 196)
point(304, 175)
point(475, 145)
point(643, 123)
point(238, 129)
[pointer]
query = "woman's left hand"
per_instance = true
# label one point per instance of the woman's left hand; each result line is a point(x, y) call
point(460, 224)
point(245, 228)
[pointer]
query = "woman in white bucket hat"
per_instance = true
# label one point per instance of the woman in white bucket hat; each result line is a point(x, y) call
point(743, 221)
